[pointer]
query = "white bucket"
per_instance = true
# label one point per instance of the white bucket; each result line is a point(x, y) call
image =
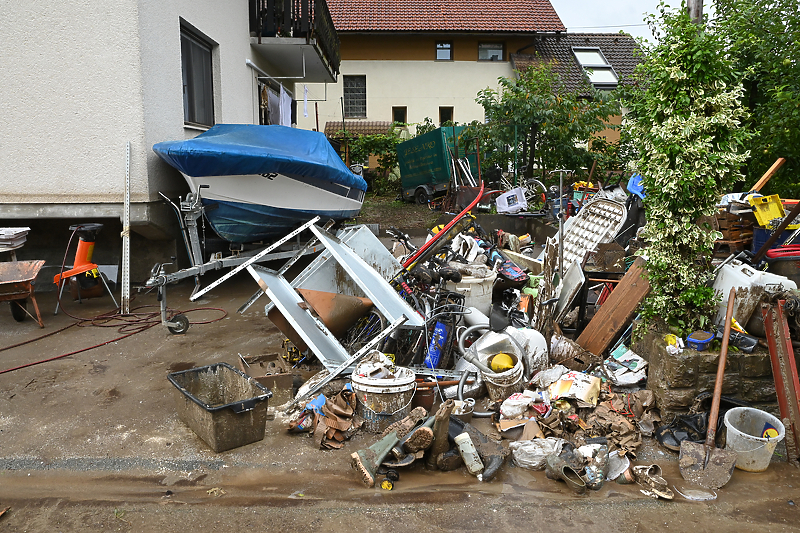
point(502, 385)
point(384, 401)
point(477, 291)
point(745, 427)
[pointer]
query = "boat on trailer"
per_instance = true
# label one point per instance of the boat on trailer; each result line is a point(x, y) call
point(257, 183)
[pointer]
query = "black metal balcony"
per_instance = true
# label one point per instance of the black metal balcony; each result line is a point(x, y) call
point(308, 19)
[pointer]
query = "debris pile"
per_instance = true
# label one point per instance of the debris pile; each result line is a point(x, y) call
point(531, 342)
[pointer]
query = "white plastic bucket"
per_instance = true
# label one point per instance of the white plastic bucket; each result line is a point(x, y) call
point(384, 401)
point(502, 385)
point(745, 427)
point(477, 291)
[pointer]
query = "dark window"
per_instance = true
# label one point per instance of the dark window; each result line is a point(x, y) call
point(444, 51)
point(490, 51)
point(400, 115)
point(355, 96)
point(445, 115)
point(198, 93)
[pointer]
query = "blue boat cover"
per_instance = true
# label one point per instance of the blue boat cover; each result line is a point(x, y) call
point(237, 149)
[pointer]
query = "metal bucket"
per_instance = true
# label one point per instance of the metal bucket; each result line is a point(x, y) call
point(384, 401)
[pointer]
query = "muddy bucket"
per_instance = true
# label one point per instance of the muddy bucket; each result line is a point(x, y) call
point(477, 291)
point(384, 401)
point(749, 433)
point(503, 384)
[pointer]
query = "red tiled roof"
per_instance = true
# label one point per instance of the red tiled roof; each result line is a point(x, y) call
point(506, 16)
point(357, 127)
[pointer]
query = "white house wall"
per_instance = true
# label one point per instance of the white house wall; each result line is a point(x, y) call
point(421, 86)
point(80, 79)
point(71, 94)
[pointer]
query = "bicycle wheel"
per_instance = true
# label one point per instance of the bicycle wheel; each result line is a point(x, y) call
point(363, 331)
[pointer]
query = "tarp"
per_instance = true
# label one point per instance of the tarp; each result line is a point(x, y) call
point(236, 149)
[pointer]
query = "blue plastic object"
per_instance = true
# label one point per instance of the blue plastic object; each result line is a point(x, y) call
point(635, 185)
point(436, 346)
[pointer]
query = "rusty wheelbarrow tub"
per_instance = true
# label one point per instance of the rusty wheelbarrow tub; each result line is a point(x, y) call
point(17, 285)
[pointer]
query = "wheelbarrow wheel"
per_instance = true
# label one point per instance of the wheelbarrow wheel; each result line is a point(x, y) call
point(181, 327)
point(19, 309)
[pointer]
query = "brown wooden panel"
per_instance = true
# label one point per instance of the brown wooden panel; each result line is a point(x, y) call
point(618, 310)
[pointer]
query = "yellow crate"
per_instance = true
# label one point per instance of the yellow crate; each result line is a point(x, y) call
point(766, 208)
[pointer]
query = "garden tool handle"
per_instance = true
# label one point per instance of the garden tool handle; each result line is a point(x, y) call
point(711, 434)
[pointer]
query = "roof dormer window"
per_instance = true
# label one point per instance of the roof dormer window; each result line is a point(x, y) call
point(599, 71)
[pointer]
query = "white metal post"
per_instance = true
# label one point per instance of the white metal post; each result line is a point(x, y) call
point(126, 236)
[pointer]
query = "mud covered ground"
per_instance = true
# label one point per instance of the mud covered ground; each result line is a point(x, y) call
point(92, 442)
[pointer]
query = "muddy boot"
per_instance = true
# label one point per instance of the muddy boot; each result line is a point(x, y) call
point(366, 462)
point(404, 426)
point(449, 460)
point(558, 469)
point(440, 433)
point(420, 439)
point(492, 453)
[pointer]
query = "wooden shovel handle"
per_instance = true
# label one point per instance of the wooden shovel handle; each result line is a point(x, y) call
point(711, 434)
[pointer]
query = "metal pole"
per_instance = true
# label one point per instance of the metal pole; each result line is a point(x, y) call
point(126, 236)
point(516, 146)
point(561, 172)
point(695, 10)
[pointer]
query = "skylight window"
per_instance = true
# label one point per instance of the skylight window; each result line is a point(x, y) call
point(599, 71)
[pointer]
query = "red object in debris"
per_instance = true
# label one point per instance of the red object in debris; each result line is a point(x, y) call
point(789, 250)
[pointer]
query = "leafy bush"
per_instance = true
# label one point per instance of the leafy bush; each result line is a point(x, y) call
point(686, 123)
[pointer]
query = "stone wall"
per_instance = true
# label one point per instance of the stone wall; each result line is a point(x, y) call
point(677, 379)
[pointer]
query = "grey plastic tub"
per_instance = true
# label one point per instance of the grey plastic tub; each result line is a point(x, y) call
point(222, 405)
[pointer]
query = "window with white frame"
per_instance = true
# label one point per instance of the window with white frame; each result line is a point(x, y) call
point(444, 51)
point(198, 86)
point(599, 71)
point(355, 96)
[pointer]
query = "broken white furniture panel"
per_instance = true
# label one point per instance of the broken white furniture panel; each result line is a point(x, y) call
point(311, 329)
point(375, 287)
point(325, 274)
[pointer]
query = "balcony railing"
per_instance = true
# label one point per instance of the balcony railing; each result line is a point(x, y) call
point(309, 19)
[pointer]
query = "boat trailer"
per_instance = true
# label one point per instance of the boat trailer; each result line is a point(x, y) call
point(188, 213)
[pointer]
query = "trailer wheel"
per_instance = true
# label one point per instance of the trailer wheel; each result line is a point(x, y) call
point(18, 309)
point(181, 327)
point(421, 196)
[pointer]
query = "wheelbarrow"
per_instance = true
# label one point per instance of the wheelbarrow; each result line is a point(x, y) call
point(16, 285)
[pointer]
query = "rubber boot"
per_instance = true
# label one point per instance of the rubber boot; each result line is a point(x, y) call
point(440, 431)
point(366, 462)
point(492, 453)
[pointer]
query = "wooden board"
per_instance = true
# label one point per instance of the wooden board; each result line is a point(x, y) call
point(617, 312)
point(768, 174)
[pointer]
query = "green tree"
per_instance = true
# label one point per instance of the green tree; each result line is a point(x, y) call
point(686, 123)
point(548, 126)
point(384, 146)
point(763, 39)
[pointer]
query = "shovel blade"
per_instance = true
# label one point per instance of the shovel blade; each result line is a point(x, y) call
point(711, 474)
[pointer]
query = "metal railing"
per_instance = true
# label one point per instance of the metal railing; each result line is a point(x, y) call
point(309, 19)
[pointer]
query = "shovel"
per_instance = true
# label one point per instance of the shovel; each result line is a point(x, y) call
point(704, 464)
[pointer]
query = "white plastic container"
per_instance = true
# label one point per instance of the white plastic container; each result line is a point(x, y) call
point(745, 427)
point(750, 285)
point(477, 291)
point(469, 454)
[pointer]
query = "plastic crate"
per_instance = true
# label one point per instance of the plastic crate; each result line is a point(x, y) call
point(223, 406)
point(767, 208)
point(761, 235)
